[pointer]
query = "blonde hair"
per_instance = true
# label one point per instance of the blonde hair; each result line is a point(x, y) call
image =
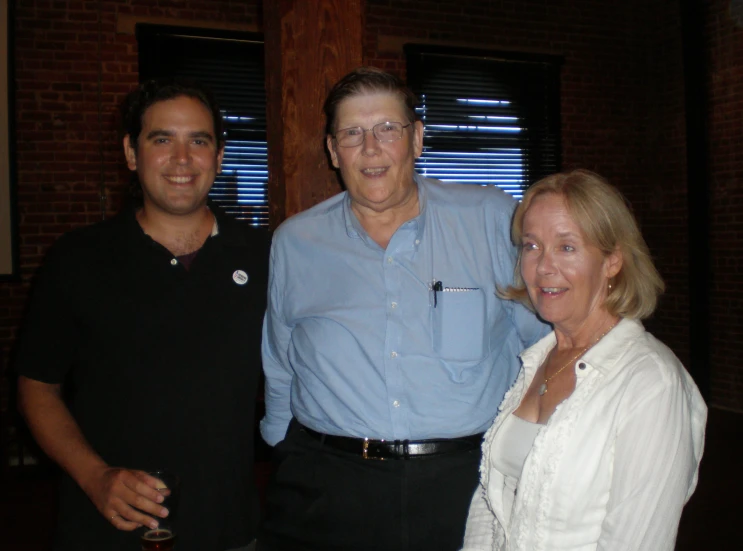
point(604, 217)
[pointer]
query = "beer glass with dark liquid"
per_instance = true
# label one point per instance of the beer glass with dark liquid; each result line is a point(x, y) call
point(163, 538)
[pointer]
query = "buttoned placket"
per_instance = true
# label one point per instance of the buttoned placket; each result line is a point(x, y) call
point(403, 244)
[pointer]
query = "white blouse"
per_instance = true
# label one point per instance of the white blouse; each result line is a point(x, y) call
point(613, 466)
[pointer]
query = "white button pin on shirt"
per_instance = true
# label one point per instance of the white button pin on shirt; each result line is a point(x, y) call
point(240, 277)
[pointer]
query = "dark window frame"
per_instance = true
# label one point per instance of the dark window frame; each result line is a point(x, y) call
point(512, 154)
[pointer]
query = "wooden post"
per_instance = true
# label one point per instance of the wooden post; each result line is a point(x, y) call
point(309, 45)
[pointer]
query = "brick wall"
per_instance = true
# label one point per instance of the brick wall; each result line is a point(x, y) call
point(659, 197)
point(725, 85)
point(622, 115)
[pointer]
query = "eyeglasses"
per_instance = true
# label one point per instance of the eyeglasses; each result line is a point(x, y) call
point(383, 132)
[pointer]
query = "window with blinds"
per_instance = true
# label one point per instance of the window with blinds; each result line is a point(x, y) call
point(232, 65)
point(489, 119)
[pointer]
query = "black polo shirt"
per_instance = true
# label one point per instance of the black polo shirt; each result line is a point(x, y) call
point(161, 365)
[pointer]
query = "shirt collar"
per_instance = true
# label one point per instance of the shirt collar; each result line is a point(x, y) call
point(354, 229)
point(422, 205)
point(221, 220)
point(603, 356)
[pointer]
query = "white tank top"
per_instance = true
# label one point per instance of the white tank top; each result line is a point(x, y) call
point(511, 444)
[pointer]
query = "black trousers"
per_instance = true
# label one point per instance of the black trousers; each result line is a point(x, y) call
point(321, 499)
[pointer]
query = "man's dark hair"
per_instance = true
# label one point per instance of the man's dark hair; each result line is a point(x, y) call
point(156, 90)
point(367, 80)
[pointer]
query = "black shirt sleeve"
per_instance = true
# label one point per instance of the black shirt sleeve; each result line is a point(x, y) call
point(49, 335)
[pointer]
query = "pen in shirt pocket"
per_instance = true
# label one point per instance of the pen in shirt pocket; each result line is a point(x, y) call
point(435, 287)
point(438, 287)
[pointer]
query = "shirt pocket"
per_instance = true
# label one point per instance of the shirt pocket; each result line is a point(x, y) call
point(459, 324)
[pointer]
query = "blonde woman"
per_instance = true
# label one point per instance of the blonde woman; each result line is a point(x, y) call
point(597, 444)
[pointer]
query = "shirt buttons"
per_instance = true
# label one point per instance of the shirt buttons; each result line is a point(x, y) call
point(393, 354)
point(396, 403)
point(581, 365)
point(393, 304)
point(389, 260)
point(173, 261)
point(417, 241)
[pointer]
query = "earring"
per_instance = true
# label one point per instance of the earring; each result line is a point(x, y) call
point(610, 286)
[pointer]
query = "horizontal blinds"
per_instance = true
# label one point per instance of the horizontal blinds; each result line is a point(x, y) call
point(231, 64)
point(487, 121)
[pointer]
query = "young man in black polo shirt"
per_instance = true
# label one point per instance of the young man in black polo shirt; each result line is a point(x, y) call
point(151, 322)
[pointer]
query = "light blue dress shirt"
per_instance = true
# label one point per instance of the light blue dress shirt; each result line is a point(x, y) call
point(354, 342)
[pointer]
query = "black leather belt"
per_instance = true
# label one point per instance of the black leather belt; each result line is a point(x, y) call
point(396, 449)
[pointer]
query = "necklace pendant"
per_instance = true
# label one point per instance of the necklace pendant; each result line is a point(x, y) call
point(543, 389)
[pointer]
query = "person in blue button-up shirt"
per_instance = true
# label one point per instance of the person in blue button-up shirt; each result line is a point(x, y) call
point(384, 339)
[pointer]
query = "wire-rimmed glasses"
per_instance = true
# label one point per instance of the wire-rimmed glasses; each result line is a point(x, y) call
point(383, 132)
